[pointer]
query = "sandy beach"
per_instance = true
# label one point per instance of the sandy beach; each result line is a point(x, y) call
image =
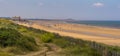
point(109, 36)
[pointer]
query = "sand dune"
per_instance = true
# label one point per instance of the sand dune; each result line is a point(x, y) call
point(108, 36)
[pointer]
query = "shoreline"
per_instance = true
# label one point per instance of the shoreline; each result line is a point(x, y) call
point(100, 39)
point(103, 27)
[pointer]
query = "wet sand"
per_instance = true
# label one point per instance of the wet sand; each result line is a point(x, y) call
point(109, 36)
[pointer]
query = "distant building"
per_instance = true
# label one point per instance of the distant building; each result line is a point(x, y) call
point(16, 18)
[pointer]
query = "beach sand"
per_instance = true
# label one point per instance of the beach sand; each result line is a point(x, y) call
point(109, 36)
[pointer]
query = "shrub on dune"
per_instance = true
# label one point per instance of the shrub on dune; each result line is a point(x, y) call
point(47, 37)
point(12, 38)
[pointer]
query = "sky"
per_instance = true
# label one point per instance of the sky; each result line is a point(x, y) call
point(62, 9)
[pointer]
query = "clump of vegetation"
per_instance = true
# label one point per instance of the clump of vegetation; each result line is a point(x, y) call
point(5, 54)
point(44, 36)
point(47, 37)
point(9, 37)
point(12, 38)
point(73, 49)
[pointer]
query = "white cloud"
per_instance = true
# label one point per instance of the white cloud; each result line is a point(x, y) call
point(40, 4)
point(98, 4)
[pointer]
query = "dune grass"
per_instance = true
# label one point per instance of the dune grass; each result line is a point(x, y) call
point(17, 39)
point(14, 39)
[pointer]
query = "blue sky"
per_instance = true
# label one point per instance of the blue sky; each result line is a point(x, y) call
point(62, 9)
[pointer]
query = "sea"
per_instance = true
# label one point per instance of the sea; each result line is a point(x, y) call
point(111, 24)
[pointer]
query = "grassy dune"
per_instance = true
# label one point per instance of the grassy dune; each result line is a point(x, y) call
point(20, 40)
